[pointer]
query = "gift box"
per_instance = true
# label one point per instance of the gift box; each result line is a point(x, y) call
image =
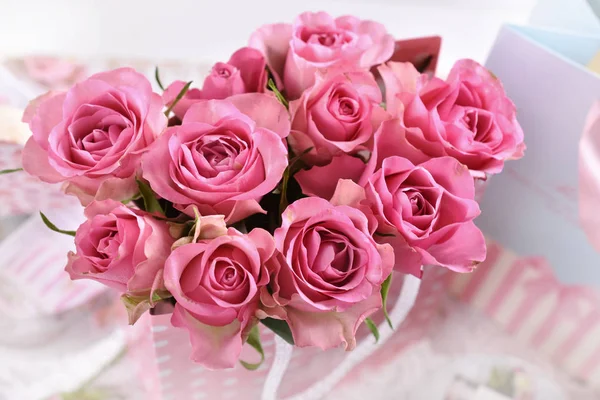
point(163, 362)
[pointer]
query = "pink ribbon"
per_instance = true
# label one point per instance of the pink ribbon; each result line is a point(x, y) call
point(589, 176)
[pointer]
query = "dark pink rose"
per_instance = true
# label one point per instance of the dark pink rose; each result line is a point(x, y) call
point(92, 136)
point(337, 115)
point(245, 72)
point(122, 248)
point(223, 158)
point(318, 41)
point(216, 284)
point(468, 116)
point(426, 211)
point(327, 276)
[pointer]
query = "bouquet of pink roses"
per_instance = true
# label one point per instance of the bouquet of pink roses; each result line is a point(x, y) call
point(284, 191)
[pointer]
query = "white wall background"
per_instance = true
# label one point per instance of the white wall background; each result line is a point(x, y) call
point(207, 30)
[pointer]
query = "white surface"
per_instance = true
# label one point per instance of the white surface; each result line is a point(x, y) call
point(571, 15)
point(212, 30)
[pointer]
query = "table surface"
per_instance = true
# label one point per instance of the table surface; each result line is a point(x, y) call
point(205, 30)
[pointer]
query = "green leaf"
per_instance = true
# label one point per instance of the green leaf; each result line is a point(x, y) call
point(273, 87)
point(254, 341)
point(180, 95)
point(160, 295)
point(53, 227)
point(299, 156)
point(135, 197)
point(157, 77)
point(280, 328)
point(283, 202)
point(385, 289)
point(151, 204)
point(86, 394)
point(373, 328)
point(10, 171)
point(137, 305)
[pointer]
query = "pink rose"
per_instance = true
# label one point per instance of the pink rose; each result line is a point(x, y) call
point(426, 212)
point(337, 115)
point(329, 276)
point(122, 248)
point(216, 284)
point(322, 181)
point(223, 158)
point(468, 117)
point(92, 136)
point(318, 41)
point(245, 72)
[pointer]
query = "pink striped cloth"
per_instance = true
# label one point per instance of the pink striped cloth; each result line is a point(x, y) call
point(33, 261)
point(524, 296)
point(21, 193)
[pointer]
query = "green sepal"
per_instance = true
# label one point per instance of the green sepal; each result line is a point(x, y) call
point(280, 328)
point(157, 78)
point(180, 95)
point(53, 227)
point(254, 341)
point(273, 87)
point(373, 328)
point(10, 171)
point(385, 289)
point(151, 203)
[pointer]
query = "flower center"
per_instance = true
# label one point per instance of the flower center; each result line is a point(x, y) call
point(228, 276)
point(480, 123)
point(216, 156)
point(223, 70)
point(332, 39)
point(344, 105)
point(417, 203)
point(347, 107)
point(327, 39)
point(104, 244)
point(470, 120)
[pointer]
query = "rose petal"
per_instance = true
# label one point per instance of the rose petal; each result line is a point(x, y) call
point(35, 162)
point(265, 110)
point(330, 329)
point(452, 176)
point(322, 181)
point(463, 251)
point(273, 41)
point(390, 140)
point(215, 347)
point(348, 193)
point(398, 78)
